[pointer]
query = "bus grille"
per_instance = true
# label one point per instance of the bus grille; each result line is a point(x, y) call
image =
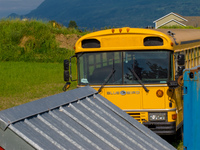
point(139, 116)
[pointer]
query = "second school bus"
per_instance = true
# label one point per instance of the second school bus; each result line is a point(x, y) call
point(140, 71)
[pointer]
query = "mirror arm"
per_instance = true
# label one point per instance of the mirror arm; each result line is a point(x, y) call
point(66, 86)
point(172, 84)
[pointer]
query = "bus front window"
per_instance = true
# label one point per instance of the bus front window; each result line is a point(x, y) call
point(95, 68)
point(152, 67)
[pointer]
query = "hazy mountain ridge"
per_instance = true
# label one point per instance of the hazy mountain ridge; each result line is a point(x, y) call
point(101, 13)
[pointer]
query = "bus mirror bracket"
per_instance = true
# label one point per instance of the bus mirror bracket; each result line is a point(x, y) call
point(172, 84)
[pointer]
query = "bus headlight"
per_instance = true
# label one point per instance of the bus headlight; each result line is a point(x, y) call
point(157, 116)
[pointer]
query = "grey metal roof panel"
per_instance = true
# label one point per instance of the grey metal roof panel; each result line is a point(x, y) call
point(48, 103)
point(79, 119)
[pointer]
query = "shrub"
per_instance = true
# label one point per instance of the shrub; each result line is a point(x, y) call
point(32, 40)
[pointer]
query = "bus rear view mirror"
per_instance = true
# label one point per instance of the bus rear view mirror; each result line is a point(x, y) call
point(66, 70)
point(66, 75)
point(66, 64)
point(181, 59)
point(180, 70)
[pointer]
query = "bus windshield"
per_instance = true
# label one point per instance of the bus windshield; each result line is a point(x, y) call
point(150, 67)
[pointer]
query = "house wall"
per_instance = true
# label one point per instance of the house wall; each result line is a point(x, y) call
point(10, 141)
point(172, 23)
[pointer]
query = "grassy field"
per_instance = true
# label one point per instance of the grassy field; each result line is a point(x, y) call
point(22, 82)
point(31, 60)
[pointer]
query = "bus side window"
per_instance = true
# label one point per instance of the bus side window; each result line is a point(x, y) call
point(153, 41)
point(91, 43)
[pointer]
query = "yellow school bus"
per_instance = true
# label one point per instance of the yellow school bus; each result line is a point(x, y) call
point(140, 71)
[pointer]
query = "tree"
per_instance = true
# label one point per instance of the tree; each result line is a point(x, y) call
point(72, 24)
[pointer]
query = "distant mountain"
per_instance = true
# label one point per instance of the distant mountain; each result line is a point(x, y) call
point(108, 13)
point(14, 15)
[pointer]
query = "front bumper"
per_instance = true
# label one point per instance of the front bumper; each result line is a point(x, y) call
point(162, 128)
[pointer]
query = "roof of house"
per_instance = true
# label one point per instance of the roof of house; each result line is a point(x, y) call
point(78, 119)
point(192, 21)
point(186, 20)
point(175, 14)
point(183, 35)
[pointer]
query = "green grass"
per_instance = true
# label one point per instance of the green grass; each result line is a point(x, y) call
point(180, 146)
point(179, 27)
point(31, 68)
point(22, 82)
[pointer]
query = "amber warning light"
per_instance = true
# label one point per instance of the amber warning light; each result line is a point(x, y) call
point(127, 29)
point(159, 93)
point(120, 30)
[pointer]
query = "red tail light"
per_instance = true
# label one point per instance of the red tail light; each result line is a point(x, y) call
point(174, 116)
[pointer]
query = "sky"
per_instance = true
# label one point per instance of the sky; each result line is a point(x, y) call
point(20, 7)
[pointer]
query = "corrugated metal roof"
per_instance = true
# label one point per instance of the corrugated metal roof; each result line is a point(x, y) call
point(78, 119)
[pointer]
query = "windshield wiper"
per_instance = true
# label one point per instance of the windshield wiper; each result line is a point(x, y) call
point(139, 80)
point(108, 78)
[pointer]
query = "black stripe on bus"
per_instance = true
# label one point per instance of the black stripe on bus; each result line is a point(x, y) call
point(192, 41)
